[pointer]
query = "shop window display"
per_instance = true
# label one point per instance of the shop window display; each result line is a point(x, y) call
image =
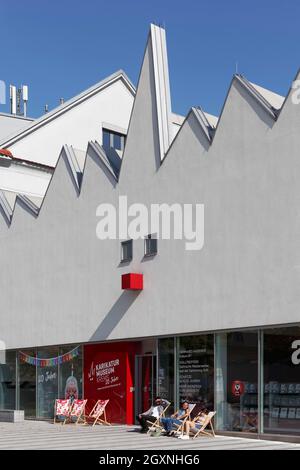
point(166, 349)
point(237, 381)
point(282, 380)
point(196, 370)
point(47, 381)
point(70, 374)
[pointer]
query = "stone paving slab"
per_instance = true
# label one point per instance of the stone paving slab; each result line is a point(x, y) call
point(45, 435)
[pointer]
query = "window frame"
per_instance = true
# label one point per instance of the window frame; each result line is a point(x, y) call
point(123, 243)
point(111, 137)
point(150, 236)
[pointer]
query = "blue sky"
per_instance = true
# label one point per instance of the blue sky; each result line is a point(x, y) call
point(59, 48)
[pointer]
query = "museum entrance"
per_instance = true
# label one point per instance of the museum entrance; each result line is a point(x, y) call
point(145, 382)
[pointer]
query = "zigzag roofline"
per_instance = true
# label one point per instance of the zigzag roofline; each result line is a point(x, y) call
point(78, 170)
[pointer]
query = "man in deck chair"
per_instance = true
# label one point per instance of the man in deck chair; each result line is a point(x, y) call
point(176, 419)
point(152, 415)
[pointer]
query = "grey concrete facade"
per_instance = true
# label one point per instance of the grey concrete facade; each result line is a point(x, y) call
point(60, 284)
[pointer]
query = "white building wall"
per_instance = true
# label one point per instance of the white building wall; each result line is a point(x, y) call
point(61, 284)
point(76, 126)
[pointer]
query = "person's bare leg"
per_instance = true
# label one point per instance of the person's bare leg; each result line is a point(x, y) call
point(188, 427)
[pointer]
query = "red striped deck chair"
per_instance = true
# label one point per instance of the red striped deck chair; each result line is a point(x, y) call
point(98, 413)
point(62, 409)
point(77, 414)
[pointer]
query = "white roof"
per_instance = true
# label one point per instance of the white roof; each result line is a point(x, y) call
point(274, 99)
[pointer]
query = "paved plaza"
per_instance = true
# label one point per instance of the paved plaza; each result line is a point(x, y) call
point(45, 435)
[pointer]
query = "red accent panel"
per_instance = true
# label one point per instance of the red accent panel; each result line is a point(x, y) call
point(6, 152)
point(133, 281)
point(109, 374)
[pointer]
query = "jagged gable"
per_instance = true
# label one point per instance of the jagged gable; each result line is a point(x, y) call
point(187, 155)
point(62, 192)
point(99, 184)
point(149, 133)
point(289, 115)
point(242, 127)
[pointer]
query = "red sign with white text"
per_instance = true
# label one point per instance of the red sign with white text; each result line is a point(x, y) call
point(108, 374)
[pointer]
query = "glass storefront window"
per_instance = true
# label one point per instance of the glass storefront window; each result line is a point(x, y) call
point(282, 380)
point(195, 360)
point(7, 380)
point(70, 374)
point(236, 381)
point(166, 347)
point(27, 385)
point(47, 383)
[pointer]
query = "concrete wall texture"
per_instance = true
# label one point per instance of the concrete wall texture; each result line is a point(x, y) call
point(60, 284)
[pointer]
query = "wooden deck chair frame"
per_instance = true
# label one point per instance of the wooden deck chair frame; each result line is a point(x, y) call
point(80, 418)
point(157, 423)
point(66, 416)
point(97, 419)
point(208, 421)
point(180, 427)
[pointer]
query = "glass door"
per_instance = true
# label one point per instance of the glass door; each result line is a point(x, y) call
point(27, 384)
point(145, 382)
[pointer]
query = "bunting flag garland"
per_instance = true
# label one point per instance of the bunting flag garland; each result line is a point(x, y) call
point(53, 361)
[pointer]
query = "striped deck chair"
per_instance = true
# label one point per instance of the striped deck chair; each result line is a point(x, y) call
point(157, 424)
point(77, 411)
point(98, 412)
point(207, 422)
point(179, 428)
point(62, 409)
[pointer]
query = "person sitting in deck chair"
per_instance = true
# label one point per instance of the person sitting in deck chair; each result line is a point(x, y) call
point(152, 414)
point(195, 424)
point(176, 418)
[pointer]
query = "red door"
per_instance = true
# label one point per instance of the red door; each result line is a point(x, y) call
point(108, 374)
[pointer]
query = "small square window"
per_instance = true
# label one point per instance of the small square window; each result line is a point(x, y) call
point(150, 245)
point(126, 251)
point(112, 139)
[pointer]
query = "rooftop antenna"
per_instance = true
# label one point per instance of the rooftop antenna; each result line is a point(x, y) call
point(46, 109)
point(18, 100)
point(13, 99)
point(236, 67)
point(25, 99)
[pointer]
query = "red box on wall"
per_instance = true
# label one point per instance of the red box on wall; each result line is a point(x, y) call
point(132, 281)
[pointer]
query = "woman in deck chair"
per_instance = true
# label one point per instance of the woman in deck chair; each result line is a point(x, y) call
point(199, 424)
point(176, 418)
